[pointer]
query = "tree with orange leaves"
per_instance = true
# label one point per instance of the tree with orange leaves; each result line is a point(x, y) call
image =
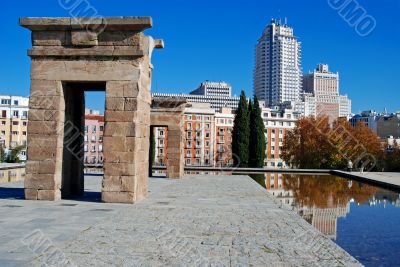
point(316, 144)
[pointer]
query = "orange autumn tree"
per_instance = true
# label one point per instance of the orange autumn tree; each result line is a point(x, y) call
point(314, 144)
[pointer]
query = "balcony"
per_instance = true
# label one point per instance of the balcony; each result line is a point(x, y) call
point(221, 141)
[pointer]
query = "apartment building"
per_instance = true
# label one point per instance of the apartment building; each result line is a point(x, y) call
point(277, 123)
point(278, 71)
point(161, 144)
point(13, 122)
point(223, 142)
point(199, 139)
point(93, 147)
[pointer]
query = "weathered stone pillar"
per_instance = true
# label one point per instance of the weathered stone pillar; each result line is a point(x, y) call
point(169, 113)
point(70, 56)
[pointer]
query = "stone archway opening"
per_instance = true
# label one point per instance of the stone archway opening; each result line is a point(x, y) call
point(168, 114)
point(74, 143)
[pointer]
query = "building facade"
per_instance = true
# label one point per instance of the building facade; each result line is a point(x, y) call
point(199, 126)
point(223, 129)
point(161, 144)
point(93, 146)
point(14, 122)
point(278, 72)
point(277, 123)
point(213, 89)
point(324, 86)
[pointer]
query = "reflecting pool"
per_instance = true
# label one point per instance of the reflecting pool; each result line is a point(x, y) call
point(362, 219)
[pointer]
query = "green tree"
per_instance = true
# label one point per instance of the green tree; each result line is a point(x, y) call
point(13, 156)
point(257, 144)
point(241, 133)
point(2, 154)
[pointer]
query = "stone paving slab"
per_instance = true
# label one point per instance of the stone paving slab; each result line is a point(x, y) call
point(196, 221)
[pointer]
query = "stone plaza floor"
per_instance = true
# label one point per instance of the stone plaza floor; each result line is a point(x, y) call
point(197, 221)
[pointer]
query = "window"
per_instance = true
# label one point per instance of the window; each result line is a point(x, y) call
point(189, 126)
point(93, 148)
point(161, 141)
point(86, 128)
point(86, 149)
point(15, 123)
point(24, 114)
point(4, 114)
point(207, 144)
point(101, 148)
point(188, 162)
point(15, 113)
point(15, 133)
point(101, 128)
point(16, 102)
point(24, 133)
point(24, 123)
point(207, 135)
point(3, 132)
point(6, 101)
point(161, 133)
point(94, 129)
point(93, 138)
point(207, 126)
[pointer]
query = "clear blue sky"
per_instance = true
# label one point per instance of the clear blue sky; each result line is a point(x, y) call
point(215, 39)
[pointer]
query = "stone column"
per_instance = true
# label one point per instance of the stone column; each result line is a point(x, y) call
point(126, 142)
point(175, 149)
point(45, 140)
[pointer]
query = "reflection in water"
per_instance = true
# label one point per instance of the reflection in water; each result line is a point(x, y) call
point(12, 175)
point(322, 199)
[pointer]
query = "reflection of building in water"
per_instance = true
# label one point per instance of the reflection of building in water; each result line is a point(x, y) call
point(398, 203)
point(275, 185)
point(325, 220)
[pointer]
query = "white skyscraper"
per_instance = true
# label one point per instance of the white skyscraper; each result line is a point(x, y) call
point(278, 72)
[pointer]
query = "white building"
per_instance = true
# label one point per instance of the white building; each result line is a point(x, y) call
point(217, 94)
point(278, 72)
point(14, 122)
point(344, 106)
point(213, 89)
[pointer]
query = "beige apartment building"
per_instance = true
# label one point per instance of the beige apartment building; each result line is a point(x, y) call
point(13, 122)
point(324, 87)
point(223, 129)
point(277, 123)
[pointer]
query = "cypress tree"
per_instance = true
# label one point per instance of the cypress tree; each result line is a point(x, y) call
point(241, 133)
point(257, 143)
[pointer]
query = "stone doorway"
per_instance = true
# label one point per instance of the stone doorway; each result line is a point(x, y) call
point(72, 179)
point(168, 114)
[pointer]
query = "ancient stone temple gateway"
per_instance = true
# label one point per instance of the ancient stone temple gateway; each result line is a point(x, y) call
point(71, 56)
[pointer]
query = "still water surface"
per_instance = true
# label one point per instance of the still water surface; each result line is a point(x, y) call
point(362, 219)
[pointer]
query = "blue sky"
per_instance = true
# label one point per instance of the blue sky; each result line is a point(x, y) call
point(214, 40)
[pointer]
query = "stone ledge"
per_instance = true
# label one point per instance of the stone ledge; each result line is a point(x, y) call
point(106, 51)
point(105, 23)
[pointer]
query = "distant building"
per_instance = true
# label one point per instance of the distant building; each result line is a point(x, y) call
point(217, 94)
point(199, 138)
point(223, 129)
point(207, 137)
point(277, 123)
point(213, 89)
point(369, 118)
point(324, 86)
point(161, 144)
point(388, 125)
point(14, 122)
point(93, 147)
point(278, 72)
